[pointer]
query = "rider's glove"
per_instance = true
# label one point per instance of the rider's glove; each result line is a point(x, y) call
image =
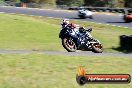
point(82, 30)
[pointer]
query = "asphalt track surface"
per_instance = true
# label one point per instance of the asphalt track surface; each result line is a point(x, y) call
point(112, 19)
point(65, 53)
point(99, 18)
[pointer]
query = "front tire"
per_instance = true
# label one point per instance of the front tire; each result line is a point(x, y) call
point(97, 48)
point(82, 16)
point(91, 17)
point(69, 44)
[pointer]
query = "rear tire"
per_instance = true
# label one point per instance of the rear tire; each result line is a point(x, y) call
point(127, 21)
point(82, 17)
point(69, 44)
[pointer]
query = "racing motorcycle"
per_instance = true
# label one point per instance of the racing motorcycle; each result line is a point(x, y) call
point(81, 41)
point(85, 14)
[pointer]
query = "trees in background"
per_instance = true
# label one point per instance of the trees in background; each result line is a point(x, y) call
point(128, 3)
point(53, 2)
point(105, 3)
point(121, 3)
point(40, 1)
point(70, 2)
point(96, 3)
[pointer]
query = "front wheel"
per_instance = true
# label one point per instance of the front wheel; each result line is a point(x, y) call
point(91, 17)
point(69, 44)
point(97, 48)
point(82, 16)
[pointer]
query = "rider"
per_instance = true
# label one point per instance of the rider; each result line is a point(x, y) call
point(76, 30)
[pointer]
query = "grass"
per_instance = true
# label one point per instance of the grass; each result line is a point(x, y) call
point(20, 32)
point(46, 71)
point(37, 33)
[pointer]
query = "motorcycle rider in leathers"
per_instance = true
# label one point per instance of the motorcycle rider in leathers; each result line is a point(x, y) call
point(74, 27)
point(76, 31)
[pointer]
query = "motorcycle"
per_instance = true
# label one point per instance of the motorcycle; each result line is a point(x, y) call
point(81, 41)
point(85, 14)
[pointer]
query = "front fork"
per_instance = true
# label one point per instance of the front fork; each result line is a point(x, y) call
point(91, 42)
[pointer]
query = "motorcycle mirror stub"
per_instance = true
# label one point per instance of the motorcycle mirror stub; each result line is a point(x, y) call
point(90, 29)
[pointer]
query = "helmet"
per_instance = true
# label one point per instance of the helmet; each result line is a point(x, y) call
point(66, 21)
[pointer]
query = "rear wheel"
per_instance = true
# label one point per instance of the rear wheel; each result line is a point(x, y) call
point(97, 48)
point(69, 44)
point(127, 21)
point(82, 16)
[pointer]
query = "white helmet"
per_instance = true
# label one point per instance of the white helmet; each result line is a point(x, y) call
point(66, 21)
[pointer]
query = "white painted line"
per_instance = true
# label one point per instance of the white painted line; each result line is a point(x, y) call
point(12, 13)
point(108, 14)
point(125, 27)
point(50, 17)
point(40, 16)
point(31, 15)
point(107, 24)
point(22, 14)
point(63, 18)
point(114, 25)
point(54, 18)
point(99, 23)
point(92, 22)
point(38, 8)
point(2, 12)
